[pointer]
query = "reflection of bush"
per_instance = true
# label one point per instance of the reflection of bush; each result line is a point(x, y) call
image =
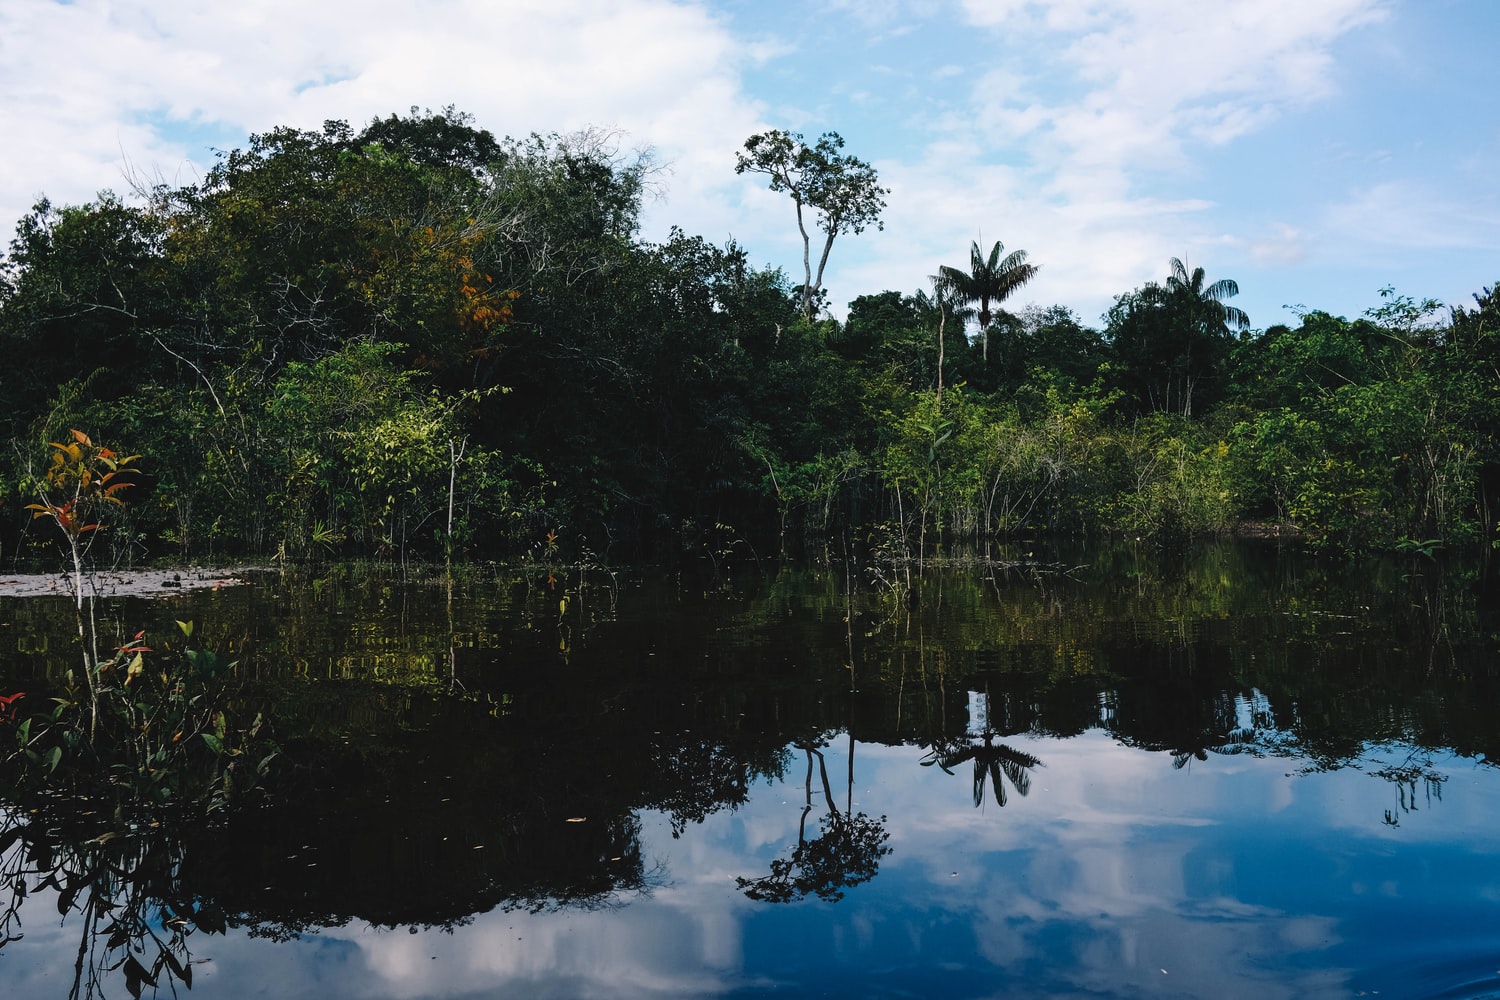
point(125, 885)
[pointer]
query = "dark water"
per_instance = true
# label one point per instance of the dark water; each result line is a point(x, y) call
point(1221, 773)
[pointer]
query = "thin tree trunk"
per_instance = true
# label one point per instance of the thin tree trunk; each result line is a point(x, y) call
point(942, 321)
point(807, 285)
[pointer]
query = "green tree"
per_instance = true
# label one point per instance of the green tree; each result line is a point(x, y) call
point(1171, 341)
point(1205, 303)
point(989, 279)
point(81, 292)
point(936, 310)
point(1470, 364)
point(843, 190)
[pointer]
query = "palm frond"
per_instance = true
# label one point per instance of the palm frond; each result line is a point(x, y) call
point(1224, 288)
point(1188, 289)
point(989, 279)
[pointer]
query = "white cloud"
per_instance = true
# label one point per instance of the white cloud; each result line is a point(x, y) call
point(1154, 78)
point(1286, 246)
point(1130, 92)
point(1403, 216)
point(92, 84)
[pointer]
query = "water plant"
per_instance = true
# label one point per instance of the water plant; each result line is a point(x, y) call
point(142, 736)
point(101, 775)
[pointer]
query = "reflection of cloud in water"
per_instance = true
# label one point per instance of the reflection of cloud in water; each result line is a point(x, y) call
point(1115, 868)
point(1090, 876)
point(654, 950)
point(1123, 916)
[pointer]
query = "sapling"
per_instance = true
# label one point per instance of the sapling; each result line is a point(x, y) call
point(83, 481)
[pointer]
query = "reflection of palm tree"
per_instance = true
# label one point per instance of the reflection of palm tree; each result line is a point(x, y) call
point(1197, 745)
point(991, 760)
point(846, 853)
point(1182, 758)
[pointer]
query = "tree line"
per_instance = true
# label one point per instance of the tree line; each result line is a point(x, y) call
point(414, 338)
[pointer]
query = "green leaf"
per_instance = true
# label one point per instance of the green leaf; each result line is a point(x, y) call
point(54, 757)
point(214, 743)
point(187, 628)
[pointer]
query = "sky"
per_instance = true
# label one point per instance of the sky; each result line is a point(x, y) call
point(1314, 151)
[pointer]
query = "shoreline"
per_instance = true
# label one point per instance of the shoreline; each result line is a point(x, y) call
point(126, 583)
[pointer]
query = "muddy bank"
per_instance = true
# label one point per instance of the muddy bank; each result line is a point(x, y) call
point(125, 583)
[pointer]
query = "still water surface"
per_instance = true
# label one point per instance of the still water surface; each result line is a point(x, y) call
point(1226, 772)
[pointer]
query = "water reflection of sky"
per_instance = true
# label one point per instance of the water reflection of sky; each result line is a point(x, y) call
point(1117, 875)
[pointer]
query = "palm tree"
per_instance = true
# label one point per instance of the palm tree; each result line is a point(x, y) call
point(1208, 302)
point(1173, 337)
point(988, 280)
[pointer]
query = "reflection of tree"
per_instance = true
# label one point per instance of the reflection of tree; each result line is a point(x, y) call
point(700, 777)
point(1182, 716)
point(1198, 746)
point(1404, 777)
point(991, 761)
point(845, 853)
point(136, 916)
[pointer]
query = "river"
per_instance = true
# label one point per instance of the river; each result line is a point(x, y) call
point(1109, 771)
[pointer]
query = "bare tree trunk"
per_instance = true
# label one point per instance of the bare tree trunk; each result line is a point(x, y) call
point(942, 320)
point(455, 455)
point(807, 282)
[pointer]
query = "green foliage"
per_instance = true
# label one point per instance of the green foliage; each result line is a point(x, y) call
point(166, 733)
point(80, 291)
point(1171, 341)
point(989, 279)
point(417, 338)
point(844, 191)
point(137, 735)
point(1182, 482)
point(101, 791)
point(1360, 434)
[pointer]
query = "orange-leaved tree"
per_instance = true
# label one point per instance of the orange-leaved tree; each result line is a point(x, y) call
point(83, 480)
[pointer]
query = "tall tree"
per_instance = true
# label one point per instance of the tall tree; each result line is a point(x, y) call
point(843, 190)
point(1172, 340)
point(1205, 303)
point(989, 279)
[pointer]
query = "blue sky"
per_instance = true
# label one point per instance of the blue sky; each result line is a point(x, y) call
point(1313, 150)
